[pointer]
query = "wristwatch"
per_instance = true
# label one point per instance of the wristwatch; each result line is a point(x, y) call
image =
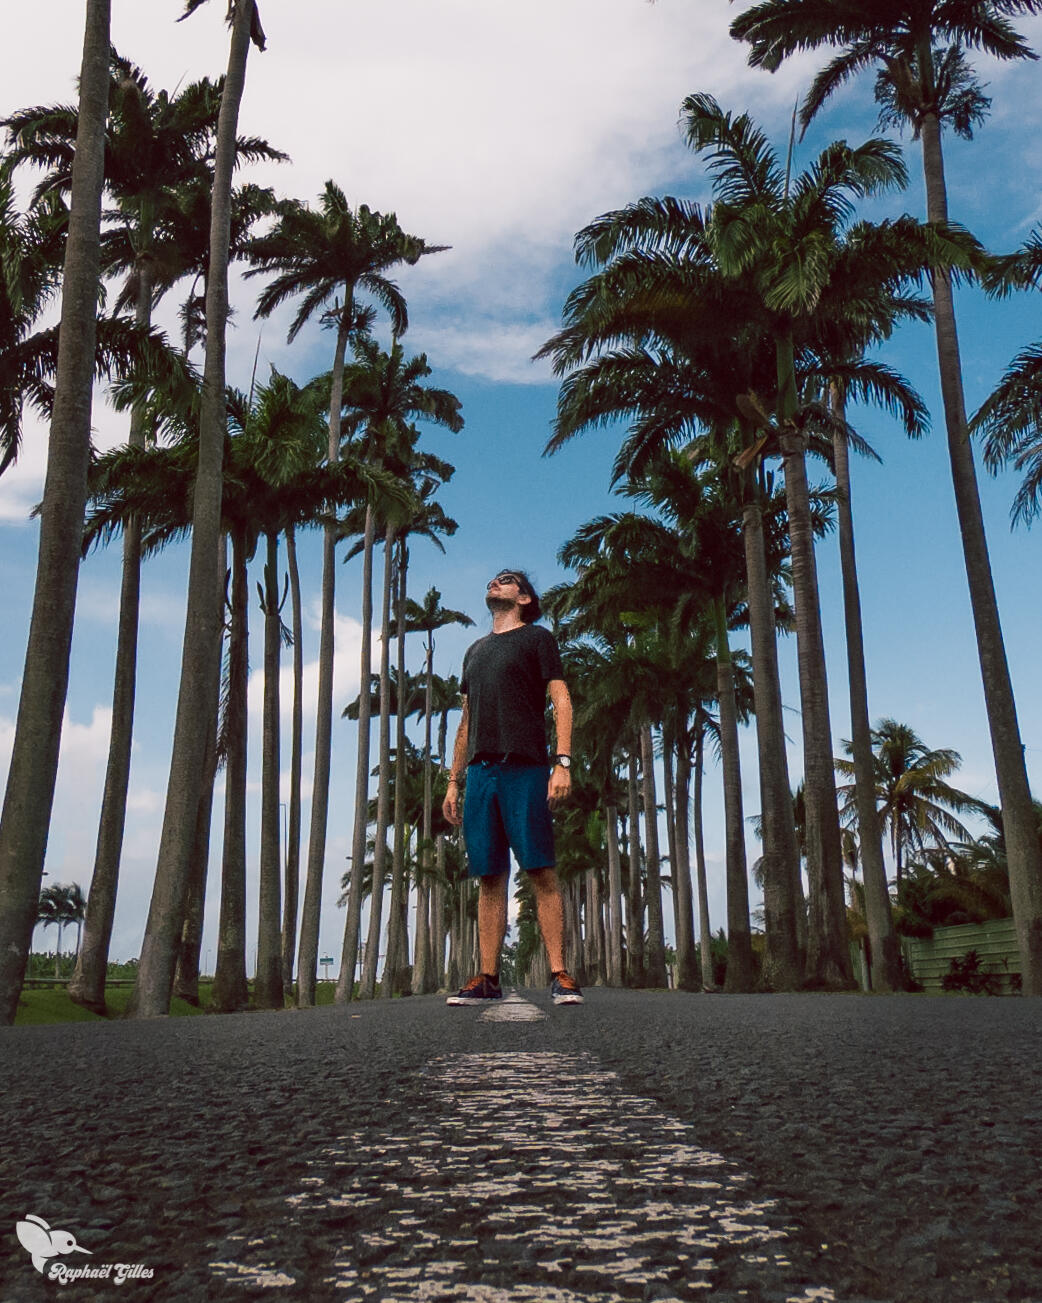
point(564, 761)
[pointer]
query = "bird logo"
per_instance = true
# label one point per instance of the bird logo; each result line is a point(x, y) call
point(37, 1238)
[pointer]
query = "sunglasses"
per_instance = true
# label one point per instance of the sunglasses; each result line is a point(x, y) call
point(507, 577)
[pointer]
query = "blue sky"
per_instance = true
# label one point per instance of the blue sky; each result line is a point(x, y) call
point(500, 131)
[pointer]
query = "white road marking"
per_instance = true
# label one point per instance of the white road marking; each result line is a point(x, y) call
point(534, 1177)
point(512, 1008)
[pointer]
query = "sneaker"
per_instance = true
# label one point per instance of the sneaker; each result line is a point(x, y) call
point(565, 989)
point(477, 990)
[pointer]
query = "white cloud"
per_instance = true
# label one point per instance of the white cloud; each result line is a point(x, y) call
point(493, 129)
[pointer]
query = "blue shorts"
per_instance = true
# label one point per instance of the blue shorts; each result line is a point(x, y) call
point(505, 809)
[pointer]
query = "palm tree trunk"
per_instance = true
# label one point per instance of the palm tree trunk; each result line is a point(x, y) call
point(614, 940)
point(1019, 823)
point(781, 856)
point(705, 936)
point(87, 986)
point(741, 971)
point(885, 951)
point(655, 961)
point(423, 980)
point(34, 757)
point(367, 990)
point(230, 991)
point(307, 961)
point(397, 942)
point(352, 925)
point(186, 975)
point(634, 898)
point(267, 987)
point(201, 650)
point(828, 951)
point(687, 971)
point(670, 812)
point(595, 967)
point(292, 902)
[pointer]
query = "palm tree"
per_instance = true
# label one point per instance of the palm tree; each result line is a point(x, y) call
point(156, 146)
point(1010, 419)
point(916, 806)
point(34, 757)
point(917, 47)
point(383, 393)
point(426, 618)
point(50, 909)
point(196, 693)
point(31, 248)
point(885, 967)
point(156, 484)
point(330, 255)
point(281, 437)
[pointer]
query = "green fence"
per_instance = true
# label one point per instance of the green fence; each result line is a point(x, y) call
point(929, 959)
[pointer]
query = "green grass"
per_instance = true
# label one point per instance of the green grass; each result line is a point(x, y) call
point(53, 1005)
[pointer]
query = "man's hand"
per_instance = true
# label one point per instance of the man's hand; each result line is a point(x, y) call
point(452, 807)
point(560, 786)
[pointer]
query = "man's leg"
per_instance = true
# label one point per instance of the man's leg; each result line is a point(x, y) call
point(492, 920)
point(550, 912)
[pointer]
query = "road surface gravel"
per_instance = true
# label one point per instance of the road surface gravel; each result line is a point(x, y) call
point(645, 1146)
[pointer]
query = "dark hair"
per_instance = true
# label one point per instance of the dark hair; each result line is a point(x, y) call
point(531, 610)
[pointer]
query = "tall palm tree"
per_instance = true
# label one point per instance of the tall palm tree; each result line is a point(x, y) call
point(195, 702)
point(384, 393)
point(281, 437)
point(29, 795)
point(156, 484)
point(328, 255)
point(917, 48)
point(885, 967)
point(156, 146)
point(427, 617)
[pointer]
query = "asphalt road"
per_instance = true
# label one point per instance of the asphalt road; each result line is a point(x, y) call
point(645, 1146)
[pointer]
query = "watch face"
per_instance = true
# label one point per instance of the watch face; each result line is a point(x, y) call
point(565, 762)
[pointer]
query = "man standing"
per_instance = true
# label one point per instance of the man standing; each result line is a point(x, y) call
point(501, 744)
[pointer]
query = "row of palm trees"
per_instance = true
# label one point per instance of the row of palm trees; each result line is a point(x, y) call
point(808, 293)
point(229, 469)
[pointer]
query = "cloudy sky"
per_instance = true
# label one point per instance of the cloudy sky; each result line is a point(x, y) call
point(500, 130)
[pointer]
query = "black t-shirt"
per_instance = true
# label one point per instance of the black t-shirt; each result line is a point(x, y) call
point(504, 679)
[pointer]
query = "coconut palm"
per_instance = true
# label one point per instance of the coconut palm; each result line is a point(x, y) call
point(196, 692)
point(329, 255)
point(917, 807)
point(1010, 419)
point(917, 48)
point(51, 910)
point(34, 756)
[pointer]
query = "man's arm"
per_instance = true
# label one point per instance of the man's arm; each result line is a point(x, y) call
point(560, 778)
point(451, 805)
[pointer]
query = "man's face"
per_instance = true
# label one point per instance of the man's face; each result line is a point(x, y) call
point(504, 592)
